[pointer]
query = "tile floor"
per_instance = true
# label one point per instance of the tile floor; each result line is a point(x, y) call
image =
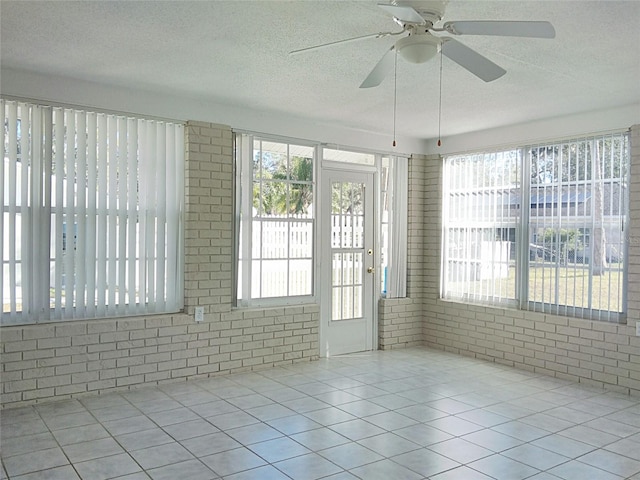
point(406, 414)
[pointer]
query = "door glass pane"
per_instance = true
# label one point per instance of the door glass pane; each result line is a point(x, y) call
point(358, 271)
point(345, 225)
point(336, 197)
point(347, 243)
point(357, 198)
point(357, 301)
point(358, 231)
point(336, 270)
point(347, 302)
point(336, 303)
point(347, 269)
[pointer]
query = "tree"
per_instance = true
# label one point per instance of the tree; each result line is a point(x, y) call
point(562, 244)
point(347, 200)
point(282, 187)
point(585, 166)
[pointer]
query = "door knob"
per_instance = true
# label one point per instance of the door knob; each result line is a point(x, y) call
point(371, 270)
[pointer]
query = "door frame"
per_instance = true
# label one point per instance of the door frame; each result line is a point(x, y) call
point(323, 249)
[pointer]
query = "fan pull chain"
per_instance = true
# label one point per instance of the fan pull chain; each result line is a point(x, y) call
point(395, 96)
point(440, 103)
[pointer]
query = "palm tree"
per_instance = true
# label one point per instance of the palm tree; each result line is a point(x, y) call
point(287, 190)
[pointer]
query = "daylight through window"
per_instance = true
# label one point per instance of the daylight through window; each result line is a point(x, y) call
point(92, 214)
point(276, 247)
point(542, 227)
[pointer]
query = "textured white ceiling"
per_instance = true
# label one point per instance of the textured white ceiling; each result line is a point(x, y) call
point(236, 53)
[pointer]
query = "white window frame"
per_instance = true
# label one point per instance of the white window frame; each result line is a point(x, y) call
point(526, 223)
point(338, 157)
point(392, 187)
point(244, 223)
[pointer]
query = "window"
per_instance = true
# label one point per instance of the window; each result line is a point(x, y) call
point(277, 219)
point(481, 209)
point(348, 156)
point(92, 214)
point(541, 227)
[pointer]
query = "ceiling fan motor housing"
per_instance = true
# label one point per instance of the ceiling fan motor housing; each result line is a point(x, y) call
point(431, 10)
point(418, 48)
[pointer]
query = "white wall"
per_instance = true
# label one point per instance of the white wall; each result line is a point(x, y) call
point(578, 125)
point(70, 91)
point(170, 105)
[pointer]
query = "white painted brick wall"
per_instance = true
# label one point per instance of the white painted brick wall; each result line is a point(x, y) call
point(400, 320)
point(594, 353)
point(62, 360)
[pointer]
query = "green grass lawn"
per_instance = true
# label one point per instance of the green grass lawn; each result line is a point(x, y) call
point(567, 285)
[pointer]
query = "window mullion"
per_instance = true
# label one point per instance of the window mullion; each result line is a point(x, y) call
point(524, 232)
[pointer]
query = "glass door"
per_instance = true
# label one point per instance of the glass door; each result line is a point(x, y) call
point(348, 266)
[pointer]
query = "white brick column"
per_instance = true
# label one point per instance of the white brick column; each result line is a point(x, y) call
point(209, 222)
point(400, 320)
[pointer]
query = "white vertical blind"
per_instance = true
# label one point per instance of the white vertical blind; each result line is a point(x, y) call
point(577, 215)
point(92, 214)
point(562, 208)
point(397, 268)
point(480, 219)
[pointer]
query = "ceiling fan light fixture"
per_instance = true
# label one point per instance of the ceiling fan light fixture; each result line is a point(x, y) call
point(418, 48)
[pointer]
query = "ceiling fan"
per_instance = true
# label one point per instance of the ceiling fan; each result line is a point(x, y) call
point(419, 45)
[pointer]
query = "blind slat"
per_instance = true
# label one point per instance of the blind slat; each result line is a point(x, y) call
point(41, 224)
point(161, 198)
point(69, 215)
point(132, 214)
point(122, 201)
point(89, 259)
point(102, 231)
point(81, 230)
point(112, 211)
point(58, 209)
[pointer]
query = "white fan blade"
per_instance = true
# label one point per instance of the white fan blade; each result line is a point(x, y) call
point(380, 71)
point(404, 14)
point(477, 64)
point(346, 40)
point(506, 29)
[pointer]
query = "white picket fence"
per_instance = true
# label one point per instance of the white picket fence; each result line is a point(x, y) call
point(286, 250)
